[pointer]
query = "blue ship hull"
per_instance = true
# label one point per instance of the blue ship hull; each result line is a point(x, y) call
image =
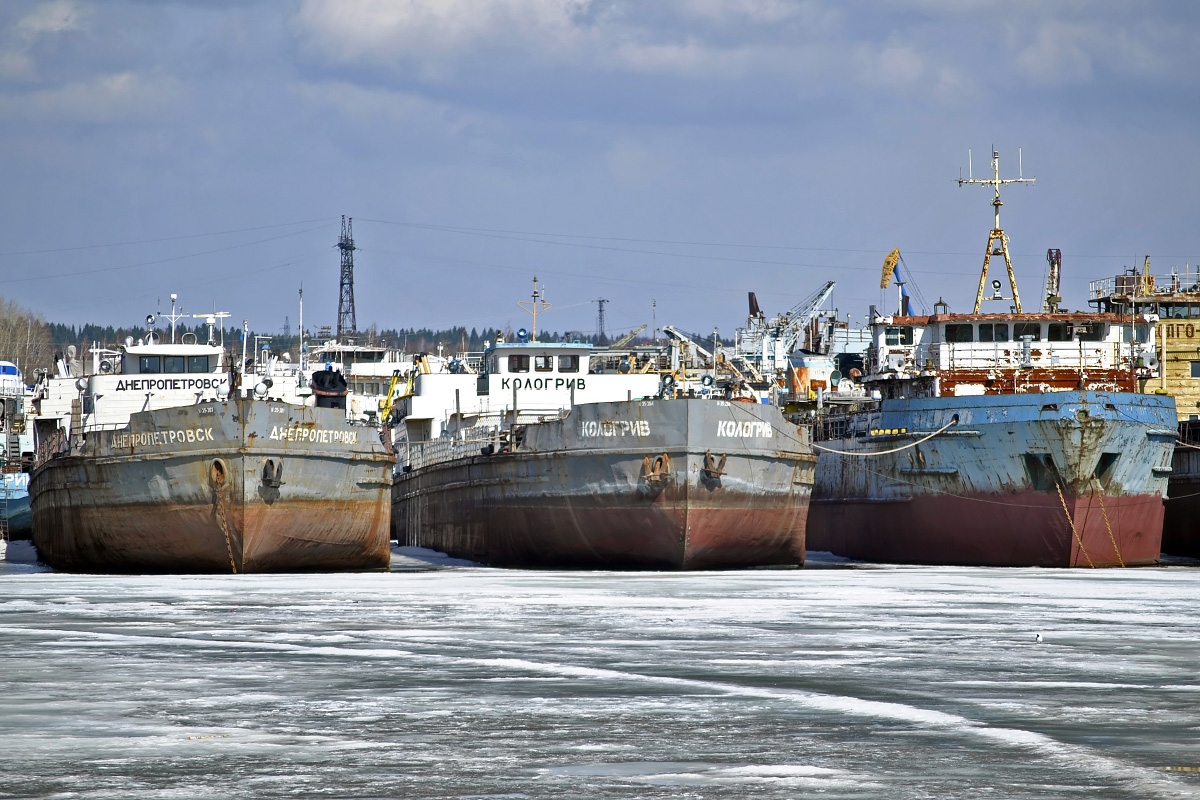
point(1058, 479)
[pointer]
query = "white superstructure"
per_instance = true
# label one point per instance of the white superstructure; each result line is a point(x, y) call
point(534, 379)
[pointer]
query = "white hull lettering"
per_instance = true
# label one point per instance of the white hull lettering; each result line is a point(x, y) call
point(314, 435)
point(121, 441)
point(624, 427)
point(758, 429)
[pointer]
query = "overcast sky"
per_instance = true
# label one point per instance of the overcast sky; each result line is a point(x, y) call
point(678, 151)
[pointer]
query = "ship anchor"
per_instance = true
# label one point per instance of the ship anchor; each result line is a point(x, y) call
point(712, 468)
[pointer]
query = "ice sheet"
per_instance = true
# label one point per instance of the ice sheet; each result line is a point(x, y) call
point(442, 679)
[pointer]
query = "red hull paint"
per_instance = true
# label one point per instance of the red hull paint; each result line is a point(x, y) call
point(1027, 529)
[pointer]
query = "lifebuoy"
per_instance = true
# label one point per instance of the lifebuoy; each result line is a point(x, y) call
point(668, 381)
point(707, 380)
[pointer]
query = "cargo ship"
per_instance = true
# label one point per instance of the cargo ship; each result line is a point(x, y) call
point(175, 466)
point(1174, 299)
point(1005, 439)
point(539, 457)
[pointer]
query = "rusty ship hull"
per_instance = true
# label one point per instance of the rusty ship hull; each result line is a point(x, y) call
point(649, 484)
point(245, 485)
point(1061, 479)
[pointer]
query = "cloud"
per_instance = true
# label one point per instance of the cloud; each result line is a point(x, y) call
point(53, 17)
point(116, 97)
point(15, 65)
point(381, 30)
point(1058, 55)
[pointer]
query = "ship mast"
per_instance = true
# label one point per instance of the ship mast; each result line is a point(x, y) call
point(537, 306)
point(997, 242)
point(173, 316)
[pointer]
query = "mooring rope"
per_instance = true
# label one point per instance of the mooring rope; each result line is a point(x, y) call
point(1103, 510)
point(950, 424)
point(1070, 521)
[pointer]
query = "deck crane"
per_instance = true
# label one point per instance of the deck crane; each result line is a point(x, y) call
point(792, 323)
point(626, 339)
point(765, 344)
point(904, 305)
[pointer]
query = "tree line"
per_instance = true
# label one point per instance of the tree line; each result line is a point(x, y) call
point(25, 338)
point(33, 343)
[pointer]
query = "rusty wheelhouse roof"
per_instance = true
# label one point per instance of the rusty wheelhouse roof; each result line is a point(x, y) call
point(1076, 316)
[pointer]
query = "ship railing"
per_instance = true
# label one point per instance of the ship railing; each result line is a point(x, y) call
point(1010, 355)
point(417, 455)
point(1006, 356)
point(1131, 283)
point(1189, 432)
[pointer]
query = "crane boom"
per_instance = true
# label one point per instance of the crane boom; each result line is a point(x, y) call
point(889, 267)
point(797, 318)
point(627, 338)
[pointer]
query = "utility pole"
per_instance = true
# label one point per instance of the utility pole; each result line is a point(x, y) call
point(997, 242)
point(600, 319)
point(346, 322)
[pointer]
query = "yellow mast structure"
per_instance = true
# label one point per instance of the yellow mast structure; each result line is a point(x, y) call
point(997, 242)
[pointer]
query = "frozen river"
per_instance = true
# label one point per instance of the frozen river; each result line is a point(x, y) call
point(468, 682)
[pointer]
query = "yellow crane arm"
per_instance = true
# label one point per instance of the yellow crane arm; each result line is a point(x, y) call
point(385, 406)
point(889, 267)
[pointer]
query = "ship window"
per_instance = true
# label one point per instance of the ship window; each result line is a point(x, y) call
point(1196, 369)
point(1142, 331)
point(197, 363)
point(1058, 332)
point(1090, 332)
point(993, 332)
point(149, 364)
point(958, 332)
point(1178, 312)
point(543, 363)
point(173, 364)
point(568, 363)
point(1033, 329)
point(518, 363)
point(899, 334)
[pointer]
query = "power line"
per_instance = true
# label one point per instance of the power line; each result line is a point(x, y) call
point(164, 239)
point(28, 278)
point(516, 233)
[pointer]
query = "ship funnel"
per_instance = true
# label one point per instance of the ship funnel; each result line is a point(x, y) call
point(755, 311)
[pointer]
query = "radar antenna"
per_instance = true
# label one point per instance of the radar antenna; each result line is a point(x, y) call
point(997, 242)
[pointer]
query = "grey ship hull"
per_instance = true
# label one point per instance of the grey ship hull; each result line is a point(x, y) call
point(654, 484)
point(199, 489)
